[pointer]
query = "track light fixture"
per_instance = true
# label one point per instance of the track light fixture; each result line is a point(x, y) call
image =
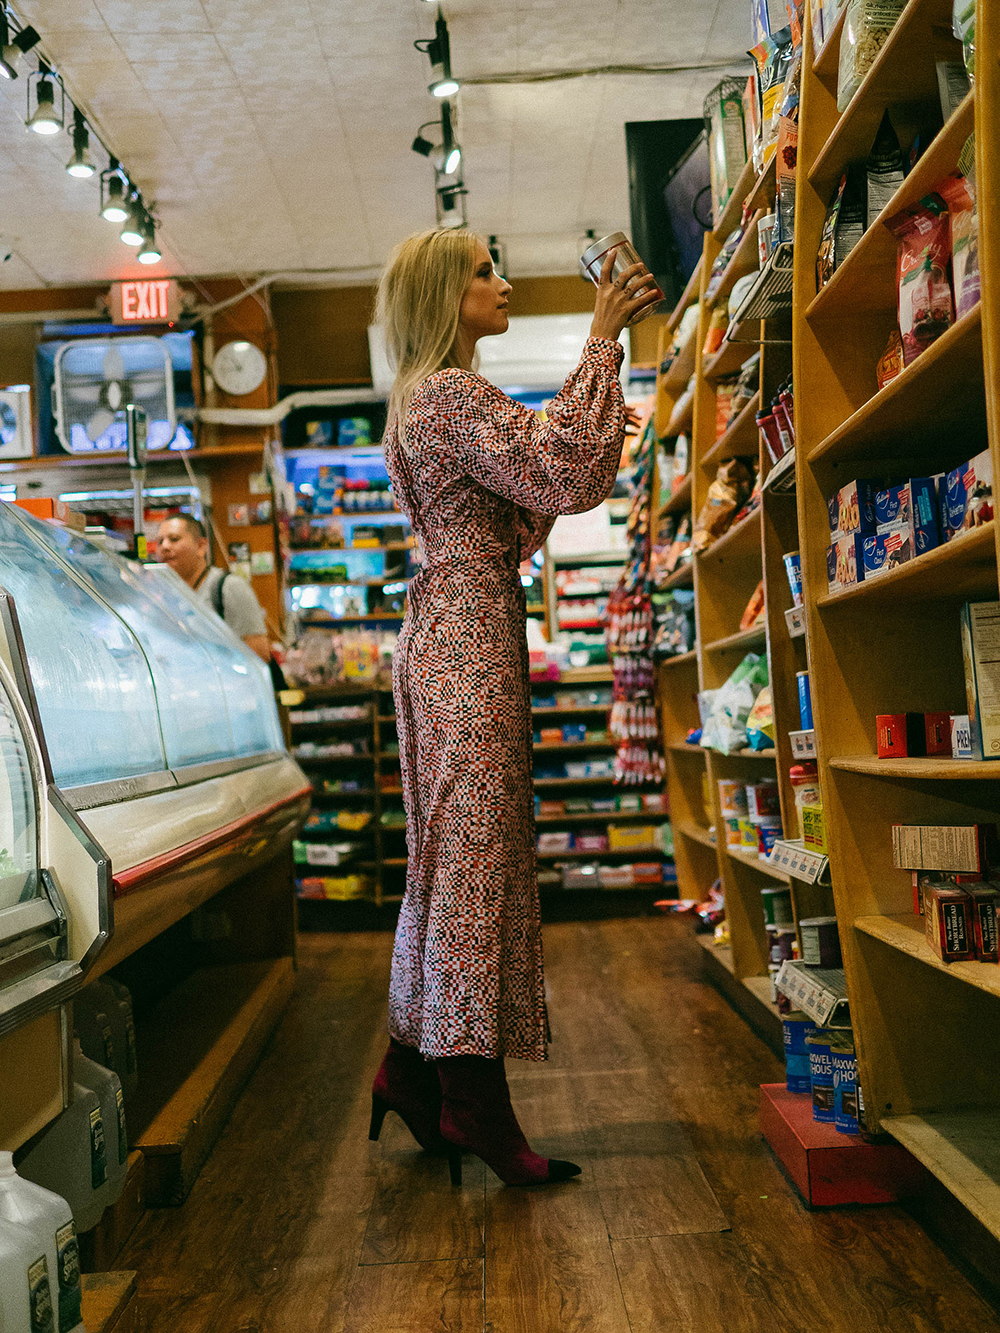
point(446, 157)
point(81, 164)
point(451, 205)
point(113, 192)
point(150, 252)
point(46, 118)
point(12, 50)
point(134, 226)
point(438, 49)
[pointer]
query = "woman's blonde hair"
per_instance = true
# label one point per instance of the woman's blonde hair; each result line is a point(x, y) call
point(417, 305)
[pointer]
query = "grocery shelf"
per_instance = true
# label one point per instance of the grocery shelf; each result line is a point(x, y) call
point(965, 567)
point(680, 578)
point(899, 73)
point(866, 280)
point(827, 59)
point(905, 931)
point(647, 849)
point(922, 406)
point(726, 361)
point(746, 753)
point(748, 858)
point(596, 817)
point(730, 215)
point(936, 767)
point(676, 378)
point(681, 498)
point(602, 709)
point(588, 675)
point(962, 1150)
point(688, 297)
point(682, 416)
point(743, 538)
point(543, 783)
point(682, 659)
point(747, 638)
point(741, 438)
point(696, 832)
point(387, 717)
point(762, 195)
point(682, 747)
point(562, 747)
point(745, 259)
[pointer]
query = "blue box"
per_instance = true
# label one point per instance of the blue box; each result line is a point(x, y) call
point(968, 496)
point(885, 551)
point(574, 731)
point(912, 503)
point(805, 701)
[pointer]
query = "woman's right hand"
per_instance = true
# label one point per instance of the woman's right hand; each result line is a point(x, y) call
point(620, 300)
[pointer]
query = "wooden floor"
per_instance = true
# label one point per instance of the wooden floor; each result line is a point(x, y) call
point(680, 1223)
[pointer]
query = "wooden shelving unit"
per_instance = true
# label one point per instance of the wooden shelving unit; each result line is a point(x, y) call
point(927, 1033)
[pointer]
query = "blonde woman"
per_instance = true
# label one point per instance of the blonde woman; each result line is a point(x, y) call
point(481, 481)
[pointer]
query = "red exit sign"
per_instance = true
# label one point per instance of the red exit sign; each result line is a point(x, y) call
point(140, 302)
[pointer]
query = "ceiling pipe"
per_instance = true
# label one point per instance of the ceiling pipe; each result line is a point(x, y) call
point(273, 416)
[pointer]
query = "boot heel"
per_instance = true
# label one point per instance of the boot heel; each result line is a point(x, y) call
point(379, 1110)
point(455, 1164)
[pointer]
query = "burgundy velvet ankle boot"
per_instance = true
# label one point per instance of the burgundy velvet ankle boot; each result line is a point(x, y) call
point(408, 1084)
point(477, 1117)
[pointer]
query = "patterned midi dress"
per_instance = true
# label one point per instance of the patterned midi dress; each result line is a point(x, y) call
point(481, 480)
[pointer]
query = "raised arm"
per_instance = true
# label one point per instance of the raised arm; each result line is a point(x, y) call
point(565, 465)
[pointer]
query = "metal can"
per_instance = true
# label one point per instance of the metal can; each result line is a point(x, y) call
point(592, 261)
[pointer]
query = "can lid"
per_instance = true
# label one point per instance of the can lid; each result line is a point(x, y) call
point(602, 247)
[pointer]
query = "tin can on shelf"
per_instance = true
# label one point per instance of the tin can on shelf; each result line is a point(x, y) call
point(844, 1063)
point(795, 1027)
point(592, 261)
point(821, 1073)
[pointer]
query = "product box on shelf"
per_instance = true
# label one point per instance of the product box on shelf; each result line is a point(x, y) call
point(932, 879)
point(961, 736)
point(967, 496)
point(845, 564)
point(948, 923)
point(958, 847)
point(555, 842)
point(911, 506)
point(856, 507)
point(981, 658)
point(883, 552)
point(985, 899)
point(814, 828)
point(622, 839)
point(912, 735)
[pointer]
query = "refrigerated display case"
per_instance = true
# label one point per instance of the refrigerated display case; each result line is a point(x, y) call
point(142, 771)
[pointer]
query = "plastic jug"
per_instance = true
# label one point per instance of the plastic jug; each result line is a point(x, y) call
point(25, 1291)
point(48, 1218)
point(99, 1025)
point(123, 997)
point(106, 1084)
point(69, 1158)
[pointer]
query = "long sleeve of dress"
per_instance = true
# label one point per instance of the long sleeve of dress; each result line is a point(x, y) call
point(532, 530)
point(565, 465)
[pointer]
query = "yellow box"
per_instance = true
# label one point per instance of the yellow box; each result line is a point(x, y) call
point(814, 828)
point(625, 839)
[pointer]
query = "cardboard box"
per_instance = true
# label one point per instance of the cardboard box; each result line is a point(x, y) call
point(967, 496)
point(912, 504)
point(961, 736)
point(814, 828)
point(929, 879)
point(985, 900)
point(856, 507)
point(958, 847)
point(845, 562)
point(981, 658)
point(948, 924)
point(54, 511)
point(882, 552)
point(622, 839)
point(909, 735)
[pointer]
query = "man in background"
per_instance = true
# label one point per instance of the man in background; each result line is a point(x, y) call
point(182, 543)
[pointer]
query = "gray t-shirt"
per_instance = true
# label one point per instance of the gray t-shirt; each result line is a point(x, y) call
point(241, 610)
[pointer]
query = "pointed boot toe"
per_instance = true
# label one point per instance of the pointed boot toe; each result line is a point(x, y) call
point(562, 1170)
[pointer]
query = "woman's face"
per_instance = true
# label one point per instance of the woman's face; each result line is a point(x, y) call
point(483, 311)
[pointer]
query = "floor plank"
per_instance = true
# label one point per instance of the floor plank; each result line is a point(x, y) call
point(445, 1297)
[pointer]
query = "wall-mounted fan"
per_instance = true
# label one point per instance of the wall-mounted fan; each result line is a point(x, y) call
point(15, 422)
point(97, 378)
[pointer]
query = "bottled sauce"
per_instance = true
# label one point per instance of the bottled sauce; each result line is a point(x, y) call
point(107, 1086)
point(48, 1219)
point(69, 1157)
point(25, 1290)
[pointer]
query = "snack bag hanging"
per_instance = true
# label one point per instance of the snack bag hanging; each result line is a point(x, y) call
point(925, 305)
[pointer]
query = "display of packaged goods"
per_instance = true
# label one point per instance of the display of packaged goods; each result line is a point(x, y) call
point(867, 26)
point(855, 507)
point(820, 1074)
point(814, 828)
point(591, 842)
point(985, 899)
point(795, 1027)
point(845, 562)
point(803, 743)
point(754, 613)
point(782, 941)
point(768, 833)
point(777, 904)
point(844, 224)
point(846, 1094)
point(958, 847)
point(340, 888)
point(805, 700)
point(908, 735)
point(961, 736)
point(819, 992)
point(882, 552)
point(732, 797)
point(884, 170)
point(793, 568)
point(948, 923)
point(963, 220)
point(926, 308)
point(967, 496)
point(980, 623)
point(763, 800)
point(323, 854)
point(555, 842)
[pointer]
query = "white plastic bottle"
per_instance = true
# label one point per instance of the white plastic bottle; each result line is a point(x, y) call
point(47, 1217)
point(69, 1157)
point(25, 1291)
point(123, 997)
point(107, 1085)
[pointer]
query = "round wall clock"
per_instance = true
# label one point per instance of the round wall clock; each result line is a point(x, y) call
point(239, 368)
